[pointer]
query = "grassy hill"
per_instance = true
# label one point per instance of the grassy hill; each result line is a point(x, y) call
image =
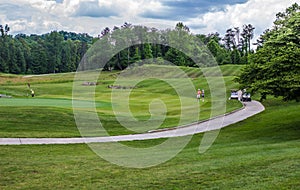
point(49, 114)
point(261, 152)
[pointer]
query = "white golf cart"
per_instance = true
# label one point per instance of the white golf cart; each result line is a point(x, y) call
point(234, 94)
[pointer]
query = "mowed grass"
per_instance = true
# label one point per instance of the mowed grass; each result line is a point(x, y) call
point(261, 152)
point(37, 122)
point(50, 113)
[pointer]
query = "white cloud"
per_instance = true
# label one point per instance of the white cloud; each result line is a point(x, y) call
point(260, 13)
point(40, 16)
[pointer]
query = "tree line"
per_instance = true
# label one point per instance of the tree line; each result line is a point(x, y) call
point(54, 52)
point(171, 45)
point(57, 52)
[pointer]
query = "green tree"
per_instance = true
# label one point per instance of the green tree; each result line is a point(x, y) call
point(247, 34)
point(178, 41)
point(38, 63)
point(148, 51)
point(4, 52)
point(20, 58)
point(235, 56)
point(221, 55)
point(4, 48)
point(53, 43)
point(12, 57)
point(136, 57)
point(231, 38)
point(66, 58)
point(275, 67)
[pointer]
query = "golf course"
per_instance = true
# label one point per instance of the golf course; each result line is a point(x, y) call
point(158, 95)
point(261, 152)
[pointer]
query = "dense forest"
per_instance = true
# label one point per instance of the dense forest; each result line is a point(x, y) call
point(58, 52)
point(38, 54)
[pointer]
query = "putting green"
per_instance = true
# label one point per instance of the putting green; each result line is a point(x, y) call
point(51, 102)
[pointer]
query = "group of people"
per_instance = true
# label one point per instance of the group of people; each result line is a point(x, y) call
point(200, 94)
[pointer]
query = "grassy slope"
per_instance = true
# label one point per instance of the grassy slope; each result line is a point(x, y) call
point(50, 113)
point(261, 152)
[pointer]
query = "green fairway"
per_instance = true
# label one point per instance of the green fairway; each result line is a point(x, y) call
point(47, 102)
point(49, 114)
point(40, 117)
point(259, 153)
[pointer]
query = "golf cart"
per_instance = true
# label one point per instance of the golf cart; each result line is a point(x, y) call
point(246, 97)
point(234, 94)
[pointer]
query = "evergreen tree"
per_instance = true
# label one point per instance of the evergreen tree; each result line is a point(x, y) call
point(148, 51)
point(53, 44)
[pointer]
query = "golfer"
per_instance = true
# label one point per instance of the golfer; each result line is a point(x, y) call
point(199, 94)
point(32, 93)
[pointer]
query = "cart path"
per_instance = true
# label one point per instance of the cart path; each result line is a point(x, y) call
point(249, 109)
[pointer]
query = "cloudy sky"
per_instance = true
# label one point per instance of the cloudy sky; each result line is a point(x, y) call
point(92, 16)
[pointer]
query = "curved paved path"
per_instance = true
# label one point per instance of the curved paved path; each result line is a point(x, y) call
point(250, 109)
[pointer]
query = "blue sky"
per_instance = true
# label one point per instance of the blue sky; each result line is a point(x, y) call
point(91, 16)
